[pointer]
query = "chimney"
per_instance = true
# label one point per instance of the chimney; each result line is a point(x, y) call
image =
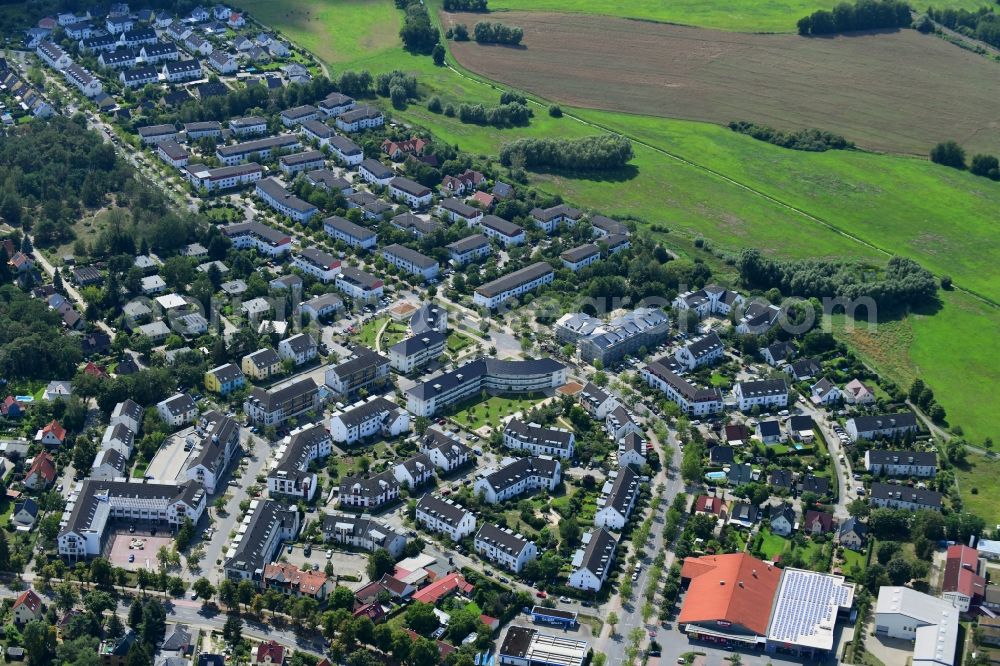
point(741, 584)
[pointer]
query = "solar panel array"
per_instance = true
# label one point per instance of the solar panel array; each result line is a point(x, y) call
point(806, 601)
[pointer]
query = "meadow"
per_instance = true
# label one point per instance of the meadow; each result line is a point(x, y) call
point(743, 16)
point(980, 473)
point(872, 88)
point(698, 179)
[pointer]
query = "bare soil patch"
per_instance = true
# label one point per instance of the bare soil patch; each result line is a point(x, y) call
point(893, 91)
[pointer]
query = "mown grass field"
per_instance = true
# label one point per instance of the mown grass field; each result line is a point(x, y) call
point(335, 31)
point(743, 16)
point(872, 88)
point(942, 218)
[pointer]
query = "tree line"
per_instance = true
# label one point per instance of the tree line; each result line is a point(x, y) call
point(809, 139)
point(465, 6)
point(606, 152)
point(862, 15)
point(950, 154)
point(982, 24)
point(418, 33)
point(903, 282)
point(503, 115)
point(487, 32)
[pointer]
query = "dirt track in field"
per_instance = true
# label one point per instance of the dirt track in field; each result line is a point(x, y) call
point(892, 91)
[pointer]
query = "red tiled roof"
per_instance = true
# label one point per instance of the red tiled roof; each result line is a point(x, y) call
point(484, 198)
point(44, 465)
point(961, 572)
point(270, 649)
point(736, 588)
point(284, 574)
point(709, 504)
point(30, 599)
point(824, 519)
point(57, 430)
point(441, 588)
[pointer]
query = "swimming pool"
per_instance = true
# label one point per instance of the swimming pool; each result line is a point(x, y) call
point(24, 398)
point(715, 476)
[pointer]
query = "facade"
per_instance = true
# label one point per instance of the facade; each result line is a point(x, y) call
point(335, 104)
point(321, 265)
point(346, 150)
point(259, 538)
point(506, 233)
point(504, 547)
point(548, 219)
point(289, 476)
point(360, 118)
point(455, 210)
point(258, 236)
point(181, 70)
point(765, 393)
point(632, 451)
point(368, 418)
point(930, 623)
point(416, 351)
point(298, 162)
point(261, 364)
point(374, 172)
point(224, 379)
point(322, 306)
point(415, 471)
point(593, 562)
point(344, 230)
point(489, 374)
point(283, 201)
point(223, 178)
point(445, 516)
point(369, 493)
point(263, 148)
point(580, 257)
point(214, 444)
point(298, 115)
point(518, 477)
point(597, 402)
point(299, 349)
point(537, 440)
point(492, 294)
point(177, 410)
point(446, 452)
point(524, 646)
point(712, 300)
point(410, 192)
point(886, 426)
point(964, 578)
point(248, 125)
point(703, 351)
point(362, 531)
point(885, 495)
point(276, 405)
point(468, 249)
point(100, 504)
point(619, 496)
point(364, 370)
point(901, 463)
point(410, 261)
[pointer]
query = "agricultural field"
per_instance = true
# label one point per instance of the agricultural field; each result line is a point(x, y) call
point(745, 16)
point(872, 88)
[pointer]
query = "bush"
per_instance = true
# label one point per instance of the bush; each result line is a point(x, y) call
point(555, 111)
point(417, 33)
point(813, 140)
point(465, 5)
point(486, 32)
point(597, 153)
point(949, 154)
point(505, 115)
point(460, 33)
point(434, 104)
point(985, 165)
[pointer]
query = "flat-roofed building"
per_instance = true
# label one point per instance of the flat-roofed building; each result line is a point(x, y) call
point(525, 646)
point(932, 624)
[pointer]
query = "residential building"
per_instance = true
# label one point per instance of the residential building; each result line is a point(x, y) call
point(597, 402)
point(346, 150)
point(468, 249)
point(362, 531)
point(365, 369)
point(853, 534)
point(223, 178)
point(248, 125)
point(527, 646)
point(770, 432)
point(593, 561)
point(354, 235)
point(215, 442)
point(777, 353)
point(445, 516)
point(610, 342)
point(177, 410)
point(887, 495)
point(765, 393)
point(964, 578)
point(276, 405)
point(299, 349)
point(93, 508)
point(537, 440)
point(298, 115)
point(27, 606)
point(53, 56)
point(758, 318)
point(410, 192)
point(517, 477)
point(266, 240)
point(224, 379)
point(258, 539)
point(181, 70)
point(446, 452)
point(632, 451)
point(322, 306)
point(704, 351)
point(712, 300)
point(328, 180)
point(883, 426)
point(289, 475)
point(360, 118)
point(367, 418)
point(506, 233)
point(261, 364)
point(455, 210)
point(410, 261)
point(618, 498)
point(466, 181)
point(277, 197)
point(857, 393)
point(374, 172)
point(369, 493)
point(580, 257)
point(298, 162)
point(414, 472)
point(493, 294)
point(548, 219)
point(619, 423)
point(782, 519)
point(261, 148)
point(41, 472)
point(901, 463)
point(127, 413)
point(199, 130)
point(173, 154)
point(489, 374)
point(294, 582)
point(156, 134)
point(359, 284)
point(417, 351)
point(504, 547)
point(157, 52)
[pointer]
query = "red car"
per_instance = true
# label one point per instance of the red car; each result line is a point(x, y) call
point(540, 594)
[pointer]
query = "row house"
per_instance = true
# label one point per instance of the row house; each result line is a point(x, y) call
point(538, 440)
point(223, 178)
point(504, 547)
point(518, 477)
point(411, 261)
point(277, 197)
point(369, 493)
point(321, 265)
point(445, 516)
point(289, 475)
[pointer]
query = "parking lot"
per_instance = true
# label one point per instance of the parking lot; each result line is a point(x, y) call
point(144, 558)
point(344, 563)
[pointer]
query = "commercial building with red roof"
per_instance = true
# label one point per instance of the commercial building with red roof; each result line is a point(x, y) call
point(442, 588)
point(964, 585)
point(728, 598)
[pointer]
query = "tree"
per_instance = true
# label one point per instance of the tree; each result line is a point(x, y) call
point(66, 596)
point(245, 591)
point(380, 562)
point(899, 571)
point(438, 54)
point(985, 165)
point(948, 153)
point(858, 508)
point(203, 588)
point(424, 653)
point(227, 593)
point(154, 622)
point(232, 631)
point(100, 573)
point(115, 627)
point(40, 642)
point(421, 618)
point(135, 614)
point(184, 534)
point(613, 621)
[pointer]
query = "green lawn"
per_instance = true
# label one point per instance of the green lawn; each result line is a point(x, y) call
point(335, 32)
point(982, 474)
point(492, 410)
point(369, 332)
point(456, 342)
point(772, 545)
point(744, 16)
point(853, 558)
point(393, 334)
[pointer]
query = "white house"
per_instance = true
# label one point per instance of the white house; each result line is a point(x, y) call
point(410, 261)
point(901, 463)
point(492, 294)
point(825, 393)
point(888, 426)
point(504, 547)
point(410, 192)
point(367, 418)
point(415, 471)
point(931, 624)
point(446, 452)
point(538, 440)
point(299, 348)
point(618, 498)
point(701, 352)
point(177, 410)
point(416, 351)
point(593, 561)
point(445, 516)
point(764, 393)
point(518, 477)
